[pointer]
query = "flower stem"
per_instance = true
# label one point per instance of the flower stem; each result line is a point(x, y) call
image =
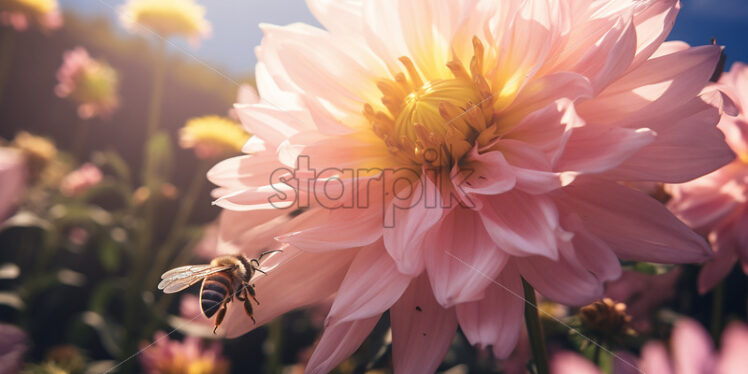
point(7, 44)
point(82, 129)
point(718, 301)
point(154, 111)
point(535, 330)
point(275, 337)
point(166, 251)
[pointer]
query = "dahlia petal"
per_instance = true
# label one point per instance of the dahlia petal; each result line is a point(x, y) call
point(612, 57)
point(403, 237)
point(636, 226)
point(488, 173)
point(521, 224)
point(525, 47)
point(371, 285)
point(571, 283)
point(656, 86)
point(655, 359)
point(427, 28)
point(461, 258)
point(293, 280)
point(543, 91)
point(269, 123)
point(315, 77)
point(569, 362)
point(422, 330)
point(497, 318)
point(244, 171)
point(705, 201)
point(337, 16)
point(350, 228)
point(692, 348)
point(653, 25)
point(249, 232)
point(690, 148)
point(548, 128)
point(275, 196)
point(594, 149)
point(715, 270)
point(338, 342)
point(591, 252)
point(732, 358)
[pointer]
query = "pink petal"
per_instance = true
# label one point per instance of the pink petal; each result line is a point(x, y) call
point(562, 281)
point(337, 16)
point(293, 280)
point(461, 258)
point(716, 269)
point(572, 363)
point(655, 359)
point(350, 228)
point(496, 319)
point(689, 148)
point(692, 348)
point(611, 57)
point(596, 148)
point(653, 25)
point(371, 285)
point(590, 251)
point(486, 173)
point(244, 171)
point(734, 345)
point(338, 342)
point(422, 330)
point(635, 226)
point(521, 224)
point(407, 223)
point(656, 86)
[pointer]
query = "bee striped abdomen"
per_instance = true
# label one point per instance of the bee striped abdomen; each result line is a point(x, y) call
point(216, 288)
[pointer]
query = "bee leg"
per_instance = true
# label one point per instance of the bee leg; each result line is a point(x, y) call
point(219, 316)
point(248, 308)
point(251, 290)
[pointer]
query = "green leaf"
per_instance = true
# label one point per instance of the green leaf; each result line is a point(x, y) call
point(118, 165)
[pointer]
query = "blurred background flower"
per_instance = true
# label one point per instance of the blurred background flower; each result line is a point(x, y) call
point(166, 18)
point(167, 356)
point(19, 14)
point(92, 84)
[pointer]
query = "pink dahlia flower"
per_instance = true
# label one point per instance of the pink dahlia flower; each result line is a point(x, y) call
point(189, 356)
point(80, 180)
point(91, 83)
point(691, 351)
point(13, 175)
point(441, 151)
point(716, 203)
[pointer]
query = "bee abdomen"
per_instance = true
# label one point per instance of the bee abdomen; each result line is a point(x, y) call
point(215, 290)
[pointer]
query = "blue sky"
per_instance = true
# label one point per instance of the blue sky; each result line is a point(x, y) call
point(236, 31)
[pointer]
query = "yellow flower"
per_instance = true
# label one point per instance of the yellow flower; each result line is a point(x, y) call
point(213, 136)
point(39, 151)
point(166, 17)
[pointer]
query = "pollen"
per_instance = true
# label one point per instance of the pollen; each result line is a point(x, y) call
point(434, 122)
point(213, 137)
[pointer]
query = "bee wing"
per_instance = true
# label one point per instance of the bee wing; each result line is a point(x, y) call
point(182, 277)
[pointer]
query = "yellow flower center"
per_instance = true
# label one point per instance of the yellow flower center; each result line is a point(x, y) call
point(435, 122)
point(421, 108)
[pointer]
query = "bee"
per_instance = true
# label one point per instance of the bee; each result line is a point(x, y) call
point(224, 278)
